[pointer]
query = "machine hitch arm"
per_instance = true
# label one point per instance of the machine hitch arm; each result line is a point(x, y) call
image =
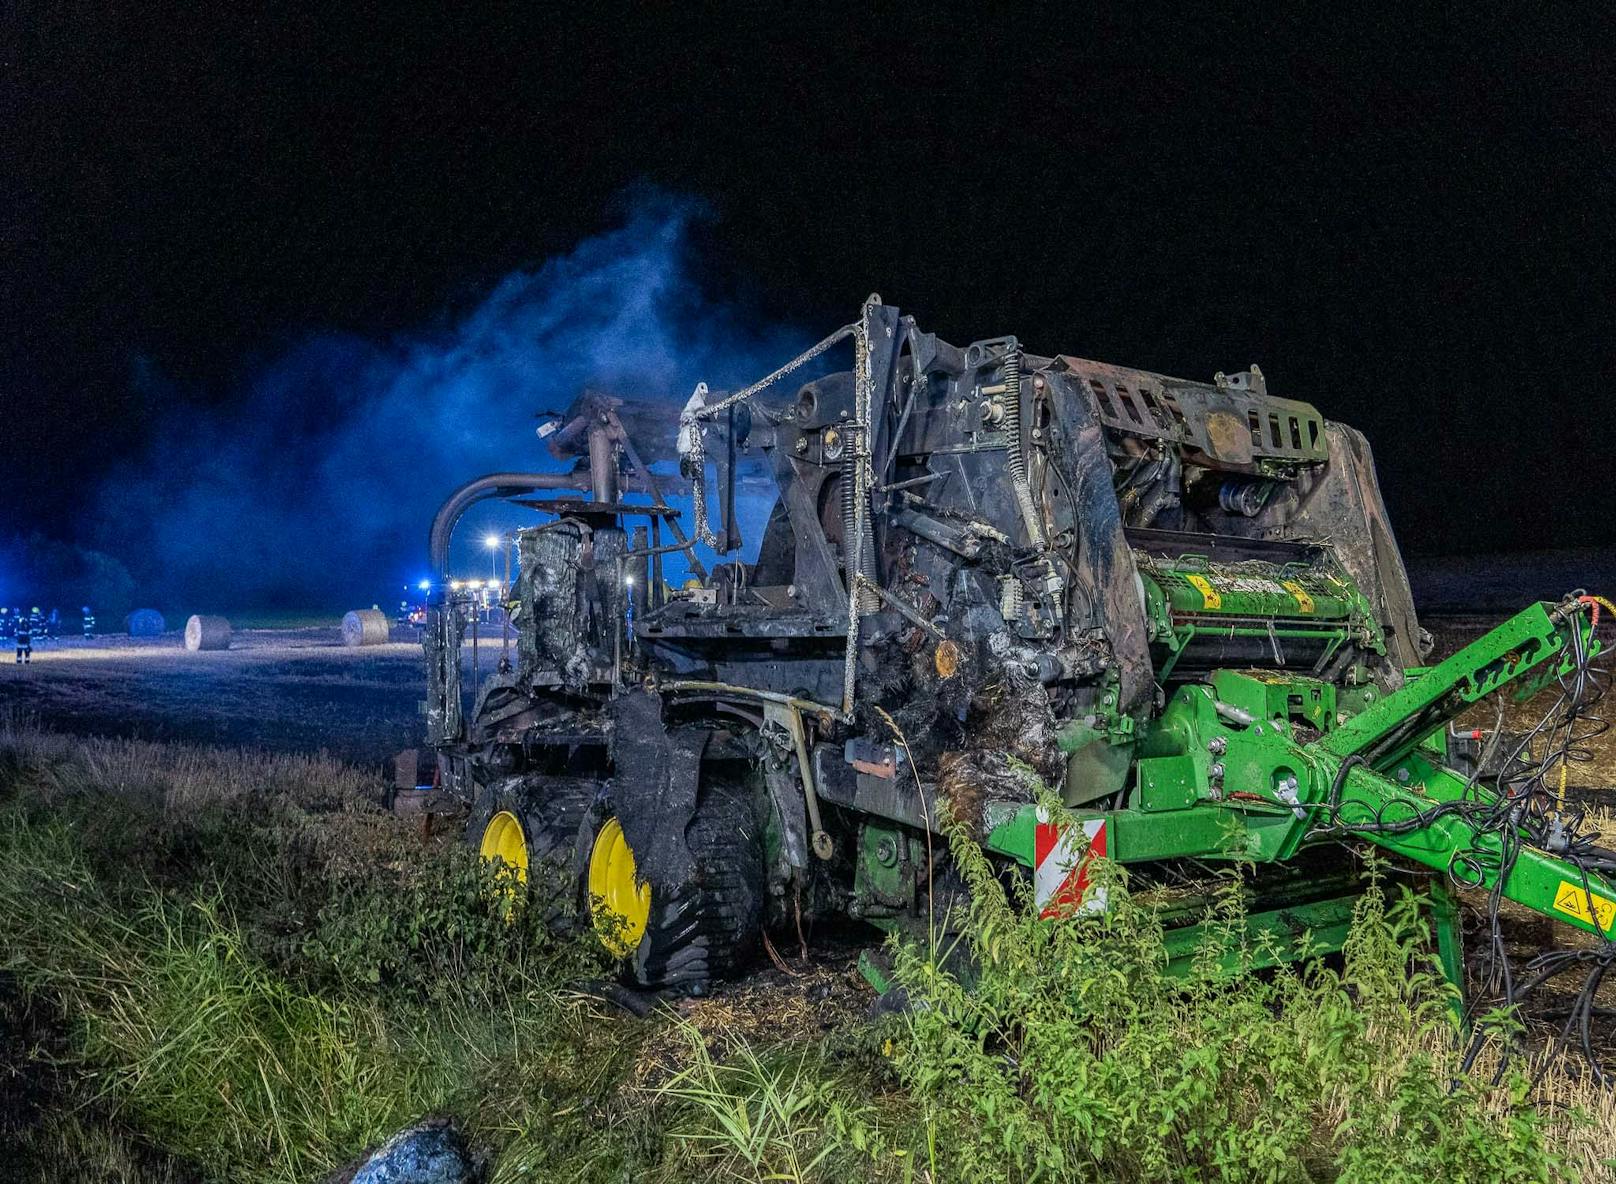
point(1373, 777)
point(1375, 808)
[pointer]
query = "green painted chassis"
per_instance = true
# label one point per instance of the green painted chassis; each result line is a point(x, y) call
point(1247, 765)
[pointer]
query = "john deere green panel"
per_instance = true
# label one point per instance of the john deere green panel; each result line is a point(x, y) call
point(1277, 694)
point(883, 878)
point(1012, 830)
point(1208, 830)
point(1096, 766)
point(1170, 782)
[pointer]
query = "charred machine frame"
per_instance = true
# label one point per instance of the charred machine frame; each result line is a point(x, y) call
point(1076, 608)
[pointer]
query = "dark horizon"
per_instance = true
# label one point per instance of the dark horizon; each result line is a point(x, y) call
point(1407, 226)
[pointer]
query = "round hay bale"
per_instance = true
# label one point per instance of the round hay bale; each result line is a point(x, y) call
point(364, 626)
point(207, 633)
point(146, 622)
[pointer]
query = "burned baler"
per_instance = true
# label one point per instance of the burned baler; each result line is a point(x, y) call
point(985, 571)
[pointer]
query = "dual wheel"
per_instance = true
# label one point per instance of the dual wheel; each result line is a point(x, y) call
point(679, 935)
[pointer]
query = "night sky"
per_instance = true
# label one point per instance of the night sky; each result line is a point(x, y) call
point(1408, 225)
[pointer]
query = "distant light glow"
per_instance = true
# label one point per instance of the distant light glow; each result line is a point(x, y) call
point(629, 581)
point(425, 585)
point(454, 586)
point(476, 584)
point(491, 542)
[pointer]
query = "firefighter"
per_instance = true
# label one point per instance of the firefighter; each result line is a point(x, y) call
point(53, 625)
point(8, 625)
point(89, 622)
point(25, 639)
point(36, 623)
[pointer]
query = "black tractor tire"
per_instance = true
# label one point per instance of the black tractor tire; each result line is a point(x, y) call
point(706, 927)
point(550, 810)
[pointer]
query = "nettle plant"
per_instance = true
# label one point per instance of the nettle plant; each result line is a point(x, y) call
point(447, 919)
point(1066, 1051)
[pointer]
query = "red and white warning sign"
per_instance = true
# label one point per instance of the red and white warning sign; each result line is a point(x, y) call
point(1061, 857)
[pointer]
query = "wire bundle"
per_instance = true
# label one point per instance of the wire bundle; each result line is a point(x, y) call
point(1519, 808)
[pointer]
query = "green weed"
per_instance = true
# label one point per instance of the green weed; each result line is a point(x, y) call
point(1074, 1056)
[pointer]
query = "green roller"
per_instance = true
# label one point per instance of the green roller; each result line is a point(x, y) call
point(1251, 590)
point(1201, 615)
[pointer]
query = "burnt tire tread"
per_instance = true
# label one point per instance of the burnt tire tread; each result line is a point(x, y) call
point(550, 809)
point(707, 928)
point(552, 814)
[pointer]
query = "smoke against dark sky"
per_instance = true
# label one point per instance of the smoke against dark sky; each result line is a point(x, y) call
point(315, 487)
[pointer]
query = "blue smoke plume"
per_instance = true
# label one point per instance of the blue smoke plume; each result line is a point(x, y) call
point(315, 487)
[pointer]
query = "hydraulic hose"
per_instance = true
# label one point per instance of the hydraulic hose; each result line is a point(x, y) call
point(482, 489)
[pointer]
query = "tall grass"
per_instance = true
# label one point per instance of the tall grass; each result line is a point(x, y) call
point(754, 1117)
point(266, 974)
point(1066, 1053)
point(227, 1062)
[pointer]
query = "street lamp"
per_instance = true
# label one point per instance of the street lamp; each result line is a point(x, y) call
point(492, 543)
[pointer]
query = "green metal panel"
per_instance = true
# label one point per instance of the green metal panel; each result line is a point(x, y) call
point(1135, 836)
point(874, 972)
point(883, 878)
point(1098, 761)
point(1170, 782)
point(1011, 828)
point(1276, 694)
point(1449, 940)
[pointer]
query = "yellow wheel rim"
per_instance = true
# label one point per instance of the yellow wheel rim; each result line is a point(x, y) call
point(503, 839)
point(618, 906)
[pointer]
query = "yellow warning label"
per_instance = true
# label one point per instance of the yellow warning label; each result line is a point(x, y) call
point(1573, 901)
point(1303, 600)
point(1209, 594)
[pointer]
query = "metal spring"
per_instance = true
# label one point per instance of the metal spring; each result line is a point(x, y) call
point(862, 564)
point(1012, 414)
